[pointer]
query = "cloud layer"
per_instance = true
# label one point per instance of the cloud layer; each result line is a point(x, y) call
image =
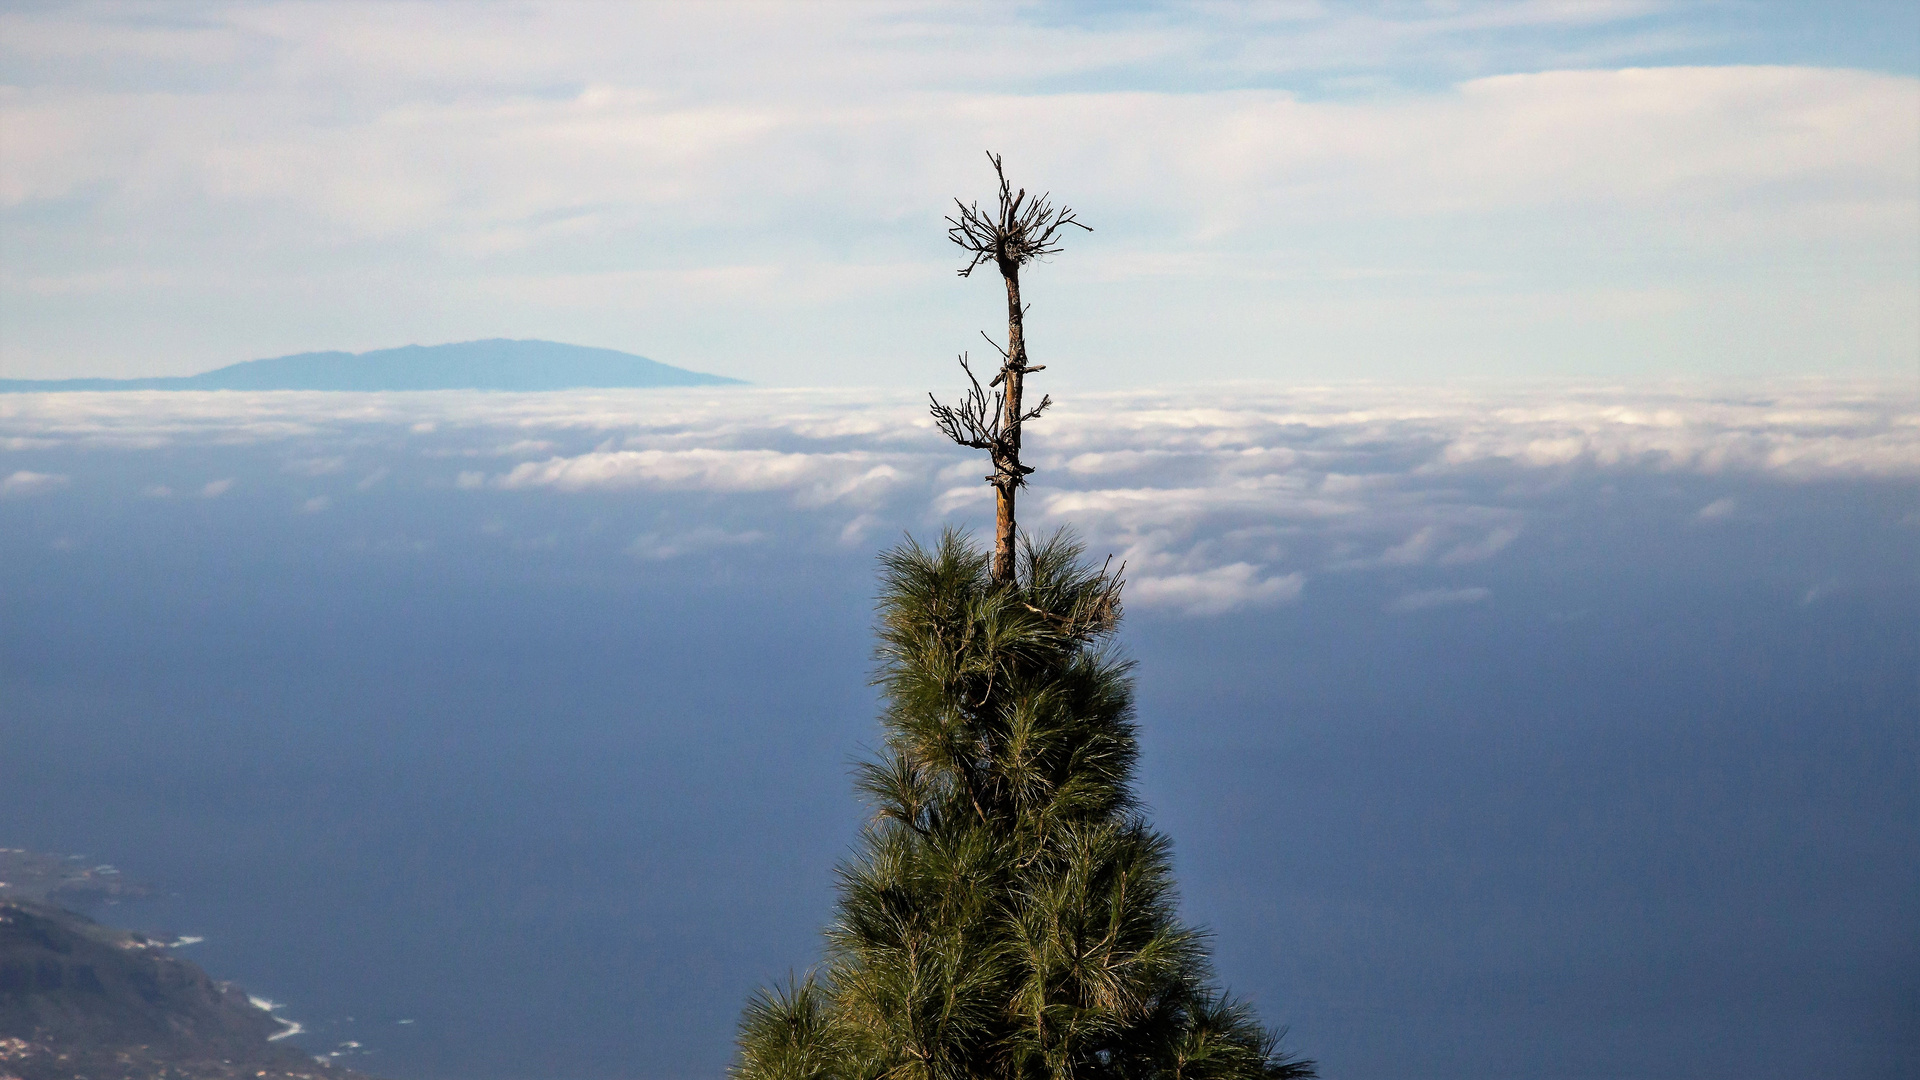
point(1217, 498)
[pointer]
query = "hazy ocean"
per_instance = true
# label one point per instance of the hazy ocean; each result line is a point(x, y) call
point(1503, 731)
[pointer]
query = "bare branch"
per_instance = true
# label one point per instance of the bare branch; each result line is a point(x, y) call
point(1018, 232)
point(1045, 400)
point(980, 422)
point(976, 422)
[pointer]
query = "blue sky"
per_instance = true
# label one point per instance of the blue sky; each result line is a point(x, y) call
point(1288, 191)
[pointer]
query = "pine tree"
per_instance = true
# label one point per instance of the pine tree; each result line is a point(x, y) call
point(1009, 913)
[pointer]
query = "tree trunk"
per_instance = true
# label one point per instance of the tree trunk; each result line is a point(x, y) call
point(1009, 471)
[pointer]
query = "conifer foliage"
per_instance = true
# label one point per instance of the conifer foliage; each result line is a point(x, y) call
point(1009, 913)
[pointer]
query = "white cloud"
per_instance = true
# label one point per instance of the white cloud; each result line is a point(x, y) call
point(1701, 435)
point(760, 191)
point(213, 489)
point(1718, 509)
point(857, 530)
point(662, 546)
point(1817, 593)
point(316, 504)
point(1492, 544)
point(816, 479)
point(1432, 598)
point(1217, 497)
point(1213, 592)
point(319, 466)
point(24, 482)
point(1415, 549)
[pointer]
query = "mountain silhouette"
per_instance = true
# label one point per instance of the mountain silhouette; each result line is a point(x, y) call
point(495, 364)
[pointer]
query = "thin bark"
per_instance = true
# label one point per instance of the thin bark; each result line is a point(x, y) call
point(1015, 373)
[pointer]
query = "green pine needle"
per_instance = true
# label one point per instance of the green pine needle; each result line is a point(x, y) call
point(1009, 912)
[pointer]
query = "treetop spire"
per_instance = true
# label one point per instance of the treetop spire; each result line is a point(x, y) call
point(1018, 231)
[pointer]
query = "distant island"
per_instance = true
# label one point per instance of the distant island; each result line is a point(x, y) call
point(495, 364)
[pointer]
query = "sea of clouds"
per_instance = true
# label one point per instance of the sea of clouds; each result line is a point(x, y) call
point(1217, 498)
point(1476, 710)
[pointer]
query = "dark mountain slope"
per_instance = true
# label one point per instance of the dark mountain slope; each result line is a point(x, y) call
point(78, 999)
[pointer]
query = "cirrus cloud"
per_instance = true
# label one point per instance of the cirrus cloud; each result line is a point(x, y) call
point(26, 482)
